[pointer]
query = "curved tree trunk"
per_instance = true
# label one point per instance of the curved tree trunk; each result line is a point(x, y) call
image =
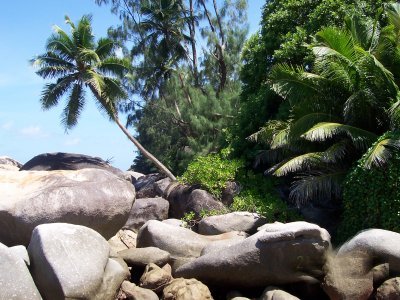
point(146, 153)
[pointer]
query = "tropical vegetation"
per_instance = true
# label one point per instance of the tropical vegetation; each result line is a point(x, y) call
point(301, 114)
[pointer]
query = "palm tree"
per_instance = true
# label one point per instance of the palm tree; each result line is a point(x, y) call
point(78, 63)
point(338, 111)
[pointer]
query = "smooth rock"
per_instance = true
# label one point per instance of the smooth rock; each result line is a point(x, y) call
point(15, 280)
point(68, 161)
point(9, 164)
point(280, 254)
point(178, 241)
point(145, 209)
point(274, 293)
point(378, 244)
point(133, 292)
point(380, 274)
point(184, 199)
point(122, 240)
point(115, 274)
point(235, 221)
point(146, 186)
point(186, 289)
point(89, 197)
point(155, 278)
point(175, 222)
point(68, 261)
point(389, 290)
point(144, 256)
point(22, 253)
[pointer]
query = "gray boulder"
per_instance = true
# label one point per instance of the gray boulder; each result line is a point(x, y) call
point(155, 278)
point(140, 257)
point(178, 241)
point(235, 221)
point(378, 244)
point(80, 274)
point(389, 290)
point(68, 161)
point(9, 164)
point(132, 292)
point(15, 280)
point(124, 239)
point(175, 222)
point(145, 209)
point(72, 262)
point(146, 186)
point(89, 197)
point(186, 289)
point(274, 293)
point(279, 254)
point(184, 199)
point(115, 273)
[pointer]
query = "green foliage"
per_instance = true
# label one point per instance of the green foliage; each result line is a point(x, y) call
point(259, 195)
point(372, 196)
point(212, 172)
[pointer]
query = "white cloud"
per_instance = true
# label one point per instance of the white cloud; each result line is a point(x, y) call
point(7, 125)
point(72, 142)
point(34, 132)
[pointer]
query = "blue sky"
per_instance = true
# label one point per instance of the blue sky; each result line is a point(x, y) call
point(26, 130)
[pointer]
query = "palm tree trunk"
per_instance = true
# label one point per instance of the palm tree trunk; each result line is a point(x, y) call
point(146, 153)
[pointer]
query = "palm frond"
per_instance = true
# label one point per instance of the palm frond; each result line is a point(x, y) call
point(52, 92)
point(114, 66)
point(334, 42)
point(380, 154)
point(393, 12)
point(105, 48)
point(75, 104)
point(294, 83)
point(337, 152)
point(303, 124)
point(268, 131)
point(304, 162)
point(362, 139)
point(317, 186)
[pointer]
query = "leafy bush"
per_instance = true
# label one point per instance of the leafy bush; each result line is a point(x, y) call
point(371, 196)
point(258, 194)
point(212, 172)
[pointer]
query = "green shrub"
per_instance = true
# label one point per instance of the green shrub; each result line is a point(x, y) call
point(259, 195)
point(212, 172)
point(371, 198)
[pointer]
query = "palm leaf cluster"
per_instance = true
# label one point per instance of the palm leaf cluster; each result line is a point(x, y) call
point(338, 110)
point(79, 63)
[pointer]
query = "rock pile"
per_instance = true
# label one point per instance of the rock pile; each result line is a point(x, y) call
point(54, 226)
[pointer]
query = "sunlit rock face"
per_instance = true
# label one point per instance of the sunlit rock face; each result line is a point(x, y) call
point(90, 197)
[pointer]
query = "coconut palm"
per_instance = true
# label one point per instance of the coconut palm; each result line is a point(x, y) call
point(338, 111)
point(79, 63)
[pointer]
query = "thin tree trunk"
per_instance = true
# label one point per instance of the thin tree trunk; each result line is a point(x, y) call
point(220, 46)
point(146, 153)
point(192, 29)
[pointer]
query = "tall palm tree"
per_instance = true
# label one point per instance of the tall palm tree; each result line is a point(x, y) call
point(338, 111)
point(78, 63)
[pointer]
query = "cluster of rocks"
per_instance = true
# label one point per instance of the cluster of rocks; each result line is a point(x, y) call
point(73, 227)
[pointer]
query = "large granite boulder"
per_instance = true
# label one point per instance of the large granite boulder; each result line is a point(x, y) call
point(72, 262)
point(145, 209)
point(178, 241)
point(15, 280)
point(68, 161)
point(280, 254)
point(389, 290)
point(90, 197)
point(235, 221)
point(184, 199)
point(379, 245)
point(7, 163)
